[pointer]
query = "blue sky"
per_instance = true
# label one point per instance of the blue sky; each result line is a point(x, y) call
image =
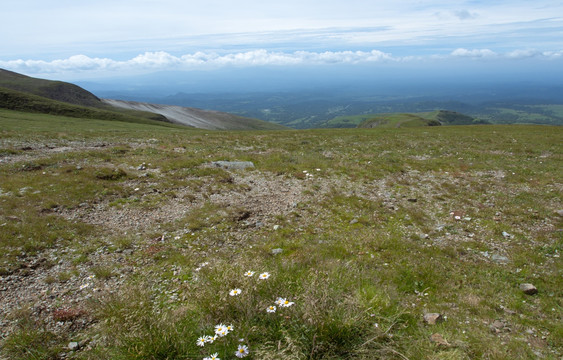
point(70, 39)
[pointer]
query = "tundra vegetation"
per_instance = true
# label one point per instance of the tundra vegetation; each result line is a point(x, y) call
point(121, 240)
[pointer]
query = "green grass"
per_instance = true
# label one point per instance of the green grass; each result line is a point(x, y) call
point(396, 120)
point(369, 245)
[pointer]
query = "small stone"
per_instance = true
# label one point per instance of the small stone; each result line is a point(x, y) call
point(73, 346)
point(277, 251)
point(499, 258)
point(559, 212)
point(439, 340)
point(277, 227)
point(506, 235)
point(433, 318)
point(497, 326)
point(528, 289)
point(353, 221)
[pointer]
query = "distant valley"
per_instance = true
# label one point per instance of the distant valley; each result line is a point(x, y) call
point(269, 110)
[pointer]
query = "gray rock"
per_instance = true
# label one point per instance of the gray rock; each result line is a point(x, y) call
point(499, 258)
point(277, 227)
point(559, 212)
point(433, 318)
point(233, 165)
point(353, 221)
point(73, 346)
point(277, 251)
point(506, 235)
point(528, 289)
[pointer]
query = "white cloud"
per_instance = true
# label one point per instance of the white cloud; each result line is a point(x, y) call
point(164, 61)
point(474, 53)
point(512, 55)
point(156, 61)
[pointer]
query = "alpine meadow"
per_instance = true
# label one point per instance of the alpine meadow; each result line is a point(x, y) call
point(297, 180)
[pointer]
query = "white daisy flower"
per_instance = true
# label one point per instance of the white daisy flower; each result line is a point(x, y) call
point(249, 273)
point(214, 357)
point(201, 340)
point(84, 286)
point(220, 328)
point(242, 351)
point(271, 309)
point(280, 301)
point(210, 339)
point(230, 328)
point(235, 292)
point(287, 303)
point(264, 276)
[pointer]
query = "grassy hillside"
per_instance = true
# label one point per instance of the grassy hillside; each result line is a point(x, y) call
point(395, 120)
point(127, 240)
point(25, 102)
point(54, 90)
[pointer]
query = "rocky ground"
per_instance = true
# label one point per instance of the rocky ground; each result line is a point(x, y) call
point(55, 285)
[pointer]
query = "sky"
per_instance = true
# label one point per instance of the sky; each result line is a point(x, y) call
point(75, 40)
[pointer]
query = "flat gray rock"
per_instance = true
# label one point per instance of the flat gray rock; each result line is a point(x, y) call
point(237, 165)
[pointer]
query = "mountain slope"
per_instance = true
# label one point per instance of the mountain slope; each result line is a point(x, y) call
point(29, 103)
point(434, 118)
point(398, 120)
point(54, 90)
point(202, 119)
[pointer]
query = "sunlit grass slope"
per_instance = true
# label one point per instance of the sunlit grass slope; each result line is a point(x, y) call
point(385, 226)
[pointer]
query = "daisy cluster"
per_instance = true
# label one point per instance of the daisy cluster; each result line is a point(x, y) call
point(281, 302)
point(222, 330)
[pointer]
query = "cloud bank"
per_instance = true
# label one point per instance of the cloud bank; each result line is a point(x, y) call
point(159, 61)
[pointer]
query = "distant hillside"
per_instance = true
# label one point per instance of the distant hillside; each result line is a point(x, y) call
point(398, 120)
point(25, 102)
point(434, 118)
point(54, 90)
point(201, 119)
